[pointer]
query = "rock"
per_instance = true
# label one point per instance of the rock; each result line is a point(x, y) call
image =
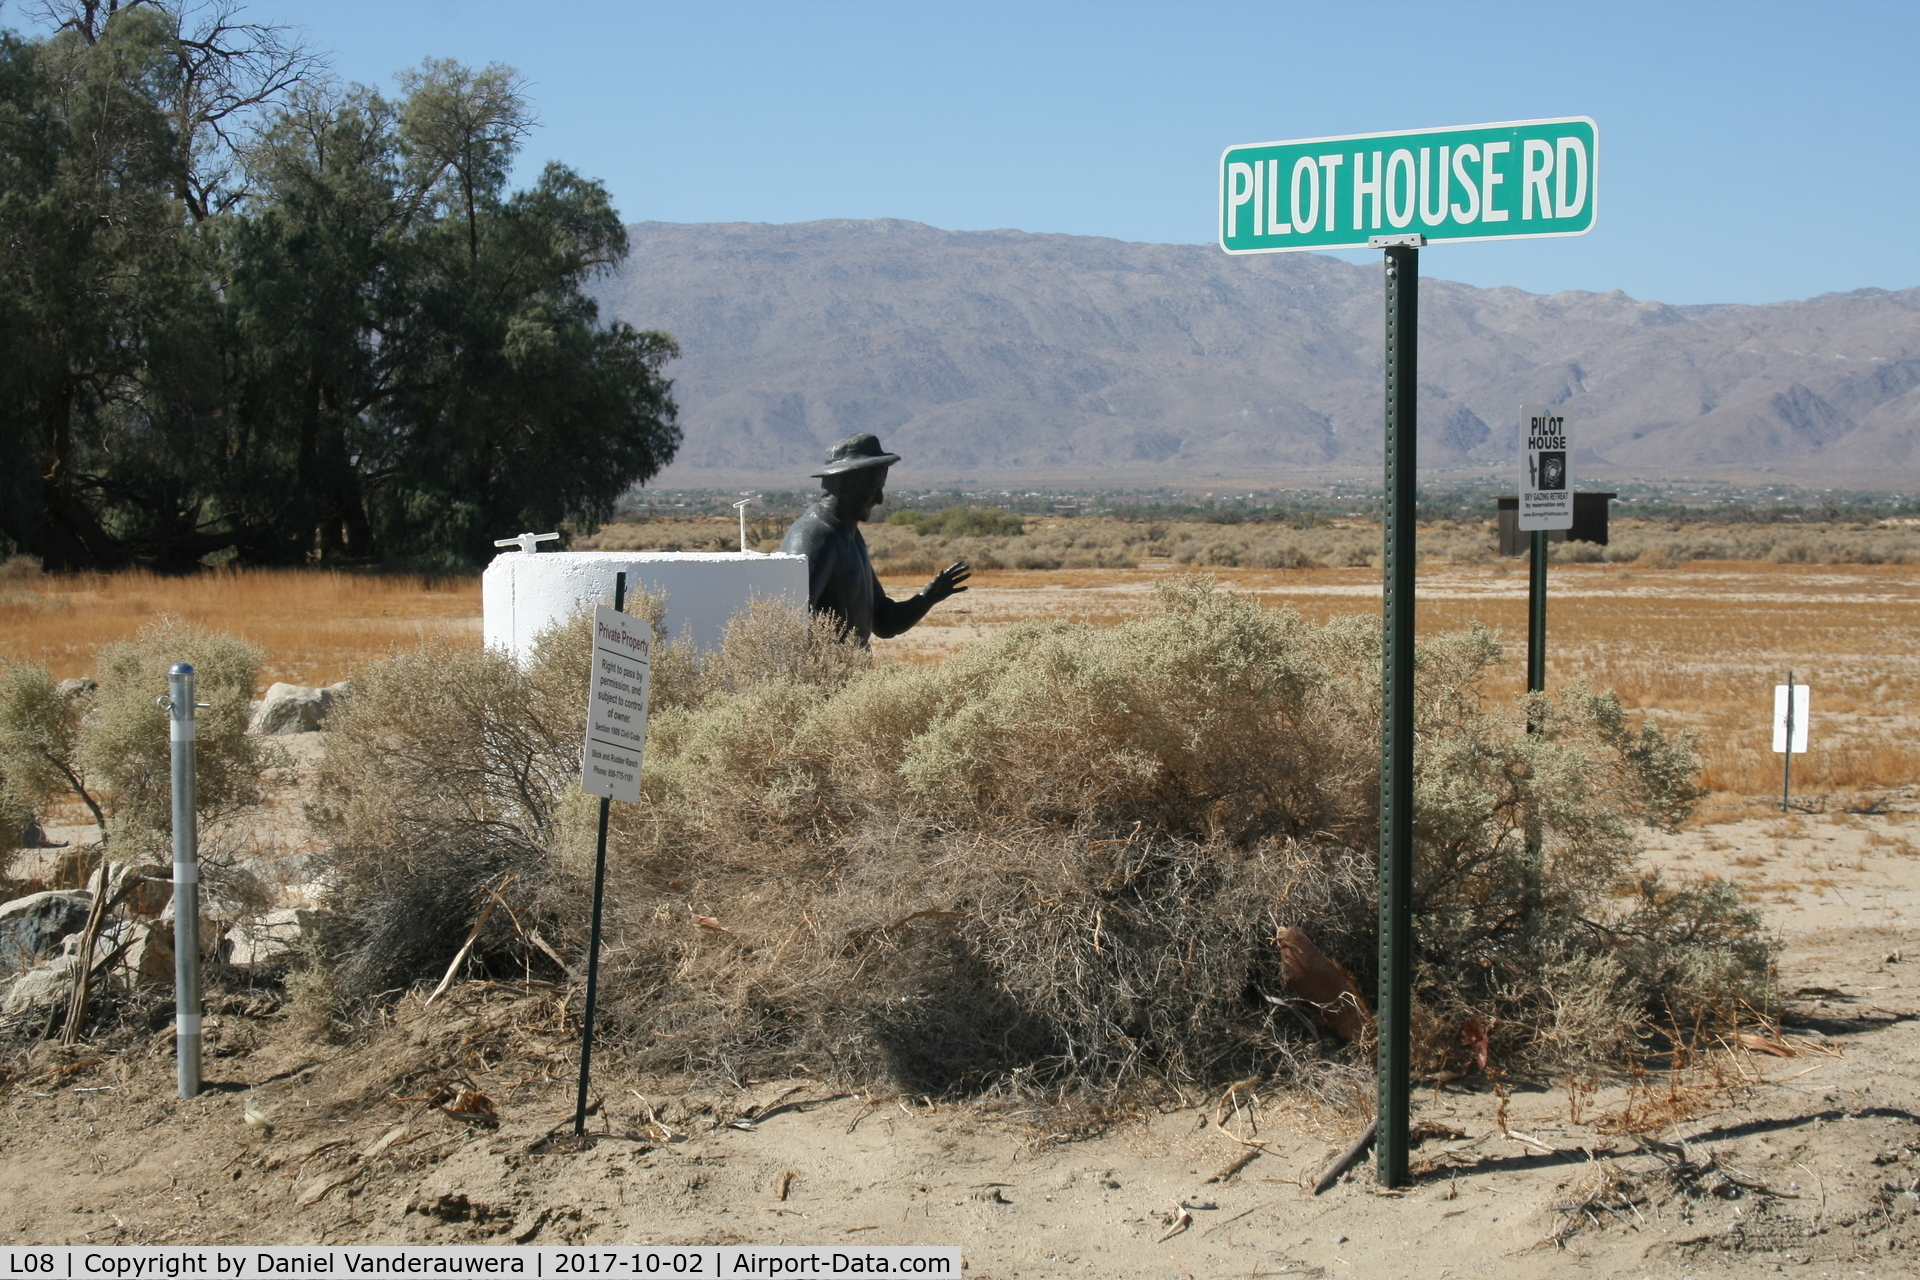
point(110, 938)
point(32, 927)
point(150, 956)
point(73, 866)
point(291, 708)
point(267, 938)
point(149, 892)
point(40, 987)
point(213, 927)
point(296, 708)
point(78, 687)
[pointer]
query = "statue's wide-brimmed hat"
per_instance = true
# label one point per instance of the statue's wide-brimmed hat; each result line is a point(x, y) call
point(856, 453)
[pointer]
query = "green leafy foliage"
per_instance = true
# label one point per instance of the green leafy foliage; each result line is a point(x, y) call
point(345, 338)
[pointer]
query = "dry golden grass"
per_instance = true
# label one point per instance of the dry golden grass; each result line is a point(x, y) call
point(316, 625)
point(1700, 645)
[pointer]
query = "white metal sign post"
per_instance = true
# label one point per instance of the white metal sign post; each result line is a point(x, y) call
point(617, 692)
point(1520, 179)
point(1790, 714)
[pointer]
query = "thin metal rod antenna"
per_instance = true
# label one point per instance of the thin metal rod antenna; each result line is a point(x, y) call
point(180, 707)
point(1786, 775)
point(1394, 1063)
point(593, 937)
point(741, 507)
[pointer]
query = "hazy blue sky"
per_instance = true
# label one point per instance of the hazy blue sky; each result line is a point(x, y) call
point(1749, 152)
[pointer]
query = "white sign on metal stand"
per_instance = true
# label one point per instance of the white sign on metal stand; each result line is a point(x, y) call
point(1790, 705)
point(1546, 489)
point(1801, 701)
point(617, 706)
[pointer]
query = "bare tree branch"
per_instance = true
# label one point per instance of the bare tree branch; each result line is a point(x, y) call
point(225, 70)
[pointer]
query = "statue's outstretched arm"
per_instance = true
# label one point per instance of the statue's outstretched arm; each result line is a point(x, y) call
point(891, 617)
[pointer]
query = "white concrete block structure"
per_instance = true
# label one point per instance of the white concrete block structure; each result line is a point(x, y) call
point(523, 594)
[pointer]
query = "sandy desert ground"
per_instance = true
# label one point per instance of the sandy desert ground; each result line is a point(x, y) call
point(1800, 1154)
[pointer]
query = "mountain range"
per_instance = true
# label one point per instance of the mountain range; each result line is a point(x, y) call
point(993, 357)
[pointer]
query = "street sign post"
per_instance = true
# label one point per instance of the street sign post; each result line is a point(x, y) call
point(617, 691)
point(1522, 179)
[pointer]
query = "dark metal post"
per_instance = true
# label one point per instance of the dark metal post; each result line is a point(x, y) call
point(1393, 1059)
point(1786, 774)
point(186, 880)
point(1536, 683)
point(1537, 615)
point(593, 936)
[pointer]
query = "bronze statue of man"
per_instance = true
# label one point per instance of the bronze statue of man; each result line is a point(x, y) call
point(841, 582)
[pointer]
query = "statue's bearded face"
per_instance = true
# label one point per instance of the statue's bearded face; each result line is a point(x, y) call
point(857, 492)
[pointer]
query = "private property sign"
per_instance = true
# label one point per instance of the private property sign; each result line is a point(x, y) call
point(1520, 179)
point(616, 706)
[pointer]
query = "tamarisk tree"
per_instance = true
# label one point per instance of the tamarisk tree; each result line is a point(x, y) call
point(256, 314)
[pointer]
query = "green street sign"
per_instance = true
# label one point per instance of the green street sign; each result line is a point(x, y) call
point(1522, 179)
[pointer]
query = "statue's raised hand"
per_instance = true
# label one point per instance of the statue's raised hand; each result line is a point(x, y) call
point(947, 582)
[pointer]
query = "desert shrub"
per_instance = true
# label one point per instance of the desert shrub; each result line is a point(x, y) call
point(446, 780)
point(1285, 557)
point(920, 860)
point(107, 744)
point(961, 521)
point(39, 745)
point(125, 743)
point(1060, 855)
point(17, 771)
point(451, 780)
point(110, 747)
point(19, 575)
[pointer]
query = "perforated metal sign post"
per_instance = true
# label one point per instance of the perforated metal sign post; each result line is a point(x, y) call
point(1523, 179)
point(1394, 1057)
